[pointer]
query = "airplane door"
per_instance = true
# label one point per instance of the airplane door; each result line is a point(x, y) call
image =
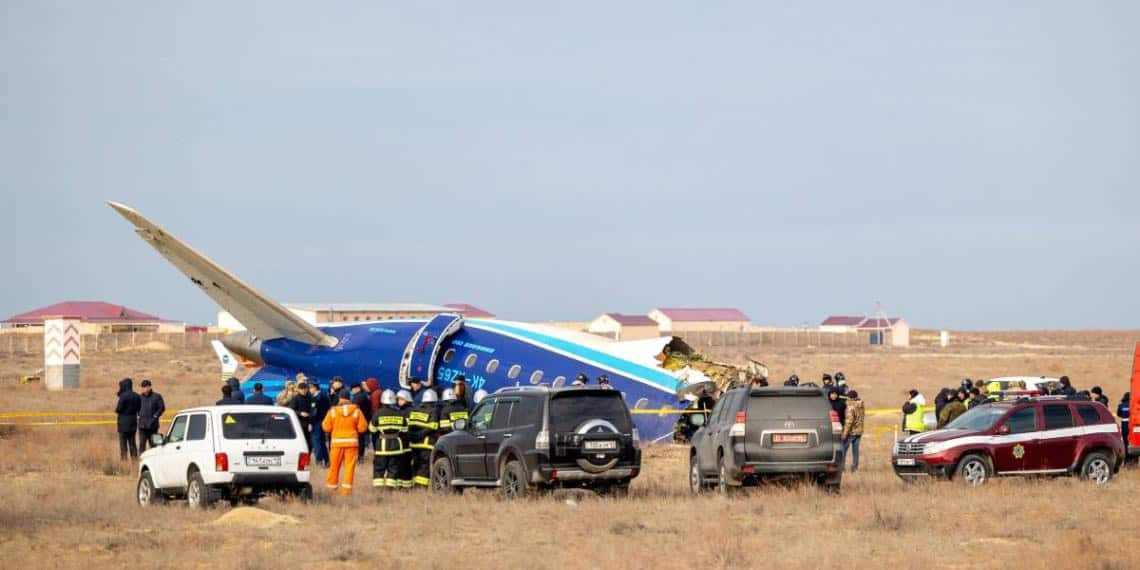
point(422, 351)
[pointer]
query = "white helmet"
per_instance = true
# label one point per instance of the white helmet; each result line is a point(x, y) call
point(404, 395)
point(429, 397)
point(479, 395)
point(388, 397)
point(449, 395)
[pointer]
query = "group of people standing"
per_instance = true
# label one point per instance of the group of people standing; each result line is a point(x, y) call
point(138, 414)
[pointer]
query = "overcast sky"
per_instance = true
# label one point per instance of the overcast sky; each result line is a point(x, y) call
point(970, 165)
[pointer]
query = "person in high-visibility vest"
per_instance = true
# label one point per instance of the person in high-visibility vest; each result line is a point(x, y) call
point(450, 412)
point(390, 429)
point(993, 391)
point(914, 411)
point(344, 424)
point(423, 423)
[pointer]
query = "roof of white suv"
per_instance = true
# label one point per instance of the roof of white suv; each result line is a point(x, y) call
point(237, 408)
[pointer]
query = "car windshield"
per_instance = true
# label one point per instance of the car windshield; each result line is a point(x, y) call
point(569, 410)
point(979, 418)
point(257, 426)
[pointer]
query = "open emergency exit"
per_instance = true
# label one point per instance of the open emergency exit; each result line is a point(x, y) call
point(422, 351)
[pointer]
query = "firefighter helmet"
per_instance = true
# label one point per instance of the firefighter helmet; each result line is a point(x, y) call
point(429, 397)
point(404, 395)
point(604, 380)
point(449, 395)
point(479, 395)
point(387, 397)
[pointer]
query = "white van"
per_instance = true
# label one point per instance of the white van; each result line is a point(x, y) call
point(234, 453)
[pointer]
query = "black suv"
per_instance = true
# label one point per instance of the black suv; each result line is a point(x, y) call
point(767, 433)
point(531, 438)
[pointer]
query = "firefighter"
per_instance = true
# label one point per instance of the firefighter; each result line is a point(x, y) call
point(450, 412)
point(423, 423)
point(580, 380)
point(479, 395)
point(404, 460)
point(390, 429)
point(344, 424)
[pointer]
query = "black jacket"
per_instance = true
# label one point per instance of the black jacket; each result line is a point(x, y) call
point(236, 385)
point(259, 399)
point(840, 408)
point(320, 406)
point(151, 408)
point(231, 401)
point(128, 407)
point(363, 402)
point(303, 403)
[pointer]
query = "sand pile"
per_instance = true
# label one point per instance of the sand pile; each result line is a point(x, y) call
point(249, 517)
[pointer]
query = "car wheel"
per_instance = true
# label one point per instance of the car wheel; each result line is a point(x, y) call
point(696, 482)
point(515, 485)
point(722, 479)
point(148, 494)
point(1097, 468)
point(198, 494)
point(441, 477)
point(973, 470)
point(305, 493)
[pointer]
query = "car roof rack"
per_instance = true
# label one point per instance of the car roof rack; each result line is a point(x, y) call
point(539, 388)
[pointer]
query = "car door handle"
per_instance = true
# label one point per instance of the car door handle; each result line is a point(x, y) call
point(480, 437)
point(505, 435)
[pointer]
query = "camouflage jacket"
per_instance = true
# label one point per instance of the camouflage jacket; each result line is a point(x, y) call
point(855, 416)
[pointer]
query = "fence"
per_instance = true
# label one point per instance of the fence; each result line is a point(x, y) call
point(773, 338)
point(110, 342)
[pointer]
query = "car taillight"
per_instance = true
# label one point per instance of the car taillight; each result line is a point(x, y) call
point(836, 427)
point(737, 429)
point(553, 474)
point(221, 462)
point(636, 438)
point(748, 468)
point(542, 441)
point(303, 462)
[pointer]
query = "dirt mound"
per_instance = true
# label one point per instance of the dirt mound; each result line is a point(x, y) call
point(152, 346)
point(249, 517)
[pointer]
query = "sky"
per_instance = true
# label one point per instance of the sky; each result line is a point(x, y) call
point(969, 165)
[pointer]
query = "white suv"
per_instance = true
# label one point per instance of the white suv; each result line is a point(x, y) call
point(236, 453)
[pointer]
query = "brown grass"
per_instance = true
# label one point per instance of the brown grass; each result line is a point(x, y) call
point(66, 501)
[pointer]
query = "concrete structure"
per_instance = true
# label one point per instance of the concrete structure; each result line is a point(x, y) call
point(670, 321)
point(328, 313)
point(470, 311)
point(61, 352)
point(624, 327)
point(94, 317)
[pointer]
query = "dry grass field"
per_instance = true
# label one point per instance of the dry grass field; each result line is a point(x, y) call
point(66, 501)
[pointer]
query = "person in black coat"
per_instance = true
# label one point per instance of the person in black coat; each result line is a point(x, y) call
point(302, 404)
point(363, 401)
point(258, 398)
point(1098, 395)
point(1066, 388)
point(151, 408)
point(235, 388)
point(838, 404)
point(228, 398)
point(127, 410)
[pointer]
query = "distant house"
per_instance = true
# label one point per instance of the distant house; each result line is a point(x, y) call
point(95, 317)
point(624, 327)
point(895, 331)
point(674, 320)
point(321, 313)
point(470, 311)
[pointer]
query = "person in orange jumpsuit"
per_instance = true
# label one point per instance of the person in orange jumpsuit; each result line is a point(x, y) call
point(344, 423)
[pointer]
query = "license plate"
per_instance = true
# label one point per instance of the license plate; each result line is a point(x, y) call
point(789, 438)
point(904, 461)
point(600, 445)
point(263, 461)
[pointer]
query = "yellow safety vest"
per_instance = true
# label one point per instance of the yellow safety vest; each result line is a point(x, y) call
point(914, 420)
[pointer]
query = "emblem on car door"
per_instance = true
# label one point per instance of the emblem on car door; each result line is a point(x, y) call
point(1018, 451)
point(789, 424)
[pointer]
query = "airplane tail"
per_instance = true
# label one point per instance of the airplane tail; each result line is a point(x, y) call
point(263, 317)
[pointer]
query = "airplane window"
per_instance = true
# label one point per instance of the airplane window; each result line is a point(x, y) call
point(449, 355)
point(514, 372)
point(536, 377)
point(492, 366)
point(641, 403)
point(470, 360)
point(558, 382)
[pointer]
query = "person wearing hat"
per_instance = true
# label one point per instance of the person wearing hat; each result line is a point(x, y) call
point(914, 413)
point(127, 420)
point(827, 381)
point(423, 423)
point(853, 428)
point(450, 412)
point(580, 380)
point(151, 409)
point(344, 424)
point(258, 398)
point(403, 479)
point(319, 405)
point(302, 404)
point(416, 389)
point(1096, 392)
point(603, 380)
point(389, 428)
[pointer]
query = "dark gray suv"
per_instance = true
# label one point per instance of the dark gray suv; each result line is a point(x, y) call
point(530, 438)
point(767, 433)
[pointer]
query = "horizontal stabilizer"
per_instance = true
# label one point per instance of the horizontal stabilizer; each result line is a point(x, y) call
point(262, 316)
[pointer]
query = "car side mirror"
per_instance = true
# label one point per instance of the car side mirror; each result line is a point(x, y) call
point(697, 419)
point(157, 439)
point(1004, 429)
point(460, 425)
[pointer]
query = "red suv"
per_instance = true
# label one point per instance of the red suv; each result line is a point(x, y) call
point(1031, 436)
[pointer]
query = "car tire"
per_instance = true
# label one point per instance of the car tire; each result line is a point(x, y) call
point(305, 493)
point(973, 470)
point(722, 485)
point(199, 495)
point(441, 477)
point(696, 480)
point(1096, 468)
point(149, 495)
point(515, 484)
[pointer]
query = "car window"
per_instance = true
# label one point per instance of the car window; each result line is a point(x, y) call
point(526, 412)
point(1088, 415)
point(569, 409)
point(734, 405)
point(502, 414)
point(177, 429)
point(481, 417)
point(718, 411)
point(197, 429)
point(1058, 416)
point(257, 425)
point(1023, 420)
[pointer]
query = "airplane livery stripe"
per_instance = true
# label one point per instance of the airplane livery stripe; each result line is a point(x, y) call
point(658, 378)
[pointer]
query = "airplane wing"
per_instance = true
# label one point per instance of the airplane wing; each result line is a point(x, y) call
point(264, 317)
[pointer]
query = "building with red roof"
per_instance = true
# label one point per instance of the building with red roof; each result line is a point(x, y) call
point(624, 327)
point(673, 320)
point(883, 330)
point(96, 317)
point(470, 311)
